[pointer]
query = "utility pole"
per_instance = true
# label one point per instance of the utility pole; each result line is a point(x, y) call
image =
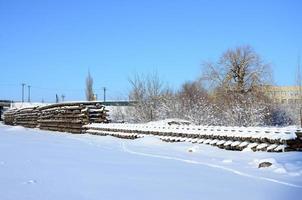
point(57, 98)
point(63, 97)
point(23, 84)
point(28, 93)
point(104, 88)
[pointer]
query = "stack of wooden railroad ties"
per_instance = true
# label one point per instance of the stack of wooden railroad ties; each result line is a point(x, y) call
point(230, 138)
point(64, 117)
point(92, 118)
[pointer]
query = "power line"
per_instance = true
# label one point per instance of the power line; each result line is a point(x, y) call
point(9, 84)
point(40, 91)
point(56, 89)
point(47, 88)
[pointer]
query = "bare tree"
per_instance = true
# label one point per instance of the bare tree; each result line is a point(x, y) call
point(147, 92)
point(240, 70)
point(89, 88)
point(192, 92)
point(237, 81)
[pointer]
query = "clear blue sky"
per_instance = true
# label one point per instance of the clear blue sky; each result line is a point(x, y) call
point(52, 44)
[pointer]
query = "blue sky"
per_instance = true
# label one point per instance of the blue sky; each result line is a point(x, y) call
point(51, 45)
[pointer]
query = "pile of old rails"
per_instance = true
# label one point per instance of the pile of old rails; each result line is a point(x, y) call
point(230, 138)
point(64, 117)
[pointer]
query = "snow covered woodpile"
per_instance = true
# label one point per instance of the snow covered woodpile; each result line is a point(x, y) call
point(115, 134)
point(66, 117)
point(27, 117)
point(70, 117)
point(9, 116)
point(231, 138)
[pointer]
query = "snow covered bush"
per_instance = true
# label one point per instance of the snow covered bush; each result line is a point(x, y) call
point(194, 104)
point(283, 115)
point(149, 94)
point(237, 109)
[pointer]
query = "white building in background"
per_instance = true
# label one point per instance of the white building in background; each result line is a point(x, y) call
point(284, 94)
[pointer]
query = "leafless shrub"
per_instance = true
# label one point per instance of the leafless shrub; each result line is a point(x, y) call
point(89, 88)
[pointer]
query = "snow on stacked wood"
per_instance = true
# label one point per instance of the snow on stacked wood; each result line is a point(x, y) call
point(62, 118)
point(243, 144)
point(27, 117)
point(70, 117)
point(235, 138)
point(271, 147)
point(9, 116)
point(253, 133)
point(221, 142)
point(115, 134)
point(236, 143)
point(65, 117)
point(280, 147)
point(252, 145)
point(262, 146)
point(200, 141)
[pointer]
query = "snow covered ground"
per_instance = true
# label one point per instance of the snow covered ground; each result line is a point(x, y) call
point(37, 164)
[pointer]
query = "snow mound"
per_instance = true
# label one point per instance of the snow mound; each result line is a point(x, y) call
point(227, 161)
point(148, 140)
point(285, 167)
point(280, 170)
point(193, 149)
point(15, 128)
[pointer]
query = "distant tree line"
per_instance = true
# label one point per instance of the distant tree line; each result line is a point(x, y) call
point(229, 92)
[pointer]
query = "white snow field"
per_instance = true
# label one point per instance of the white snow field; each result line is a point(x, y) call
point(44, 165)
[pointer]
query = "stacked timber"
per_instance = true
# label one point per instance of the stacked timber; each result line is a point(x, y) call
point(115, 134)
point(70, 117)
point(229, 138)
point(27, 117)
point(9, 117)
point(96, 113)
point(65, 117)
